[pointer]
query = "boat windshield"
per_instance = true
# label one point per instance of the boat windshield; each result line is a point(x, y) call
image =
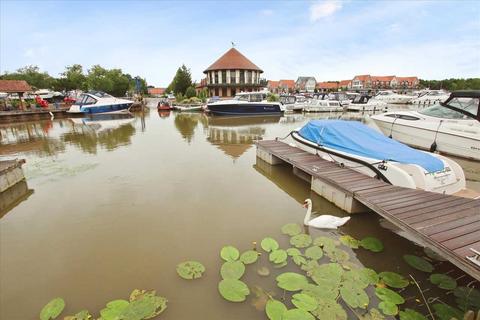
point(469, 105)
point(100, 94)
point(85, 99)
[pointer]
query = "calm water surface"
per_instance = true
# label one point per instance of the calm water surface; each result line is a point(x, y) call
point(114, 205)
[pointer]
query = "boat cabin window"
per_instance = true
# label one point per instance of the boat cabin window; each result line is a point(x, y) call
point(256, 98)
point(360, 99)
point(402, 116)
point(469, 105)
point(287, 99)
point(85, 99)
point(242, 97)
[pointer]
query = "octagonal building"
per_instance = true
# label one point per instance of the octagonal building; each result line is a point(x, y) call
point(233, 73)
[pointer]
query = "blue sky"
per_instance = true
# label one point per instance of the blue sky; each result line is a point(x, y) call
point(331, 40)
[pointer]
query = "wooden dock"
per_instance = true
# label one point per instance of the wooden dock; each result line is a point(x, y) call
point(449, 225)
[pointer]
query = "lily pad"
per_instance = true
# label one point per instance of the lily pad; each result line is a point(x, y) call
point(354, 295)
point(82, 315)
point(52, 309)
point(329, 274)
point(349, 241)
point(330, 309)
point(144, 305)
point(433, 255)
point(301, 240)
point(388, 295)
point(337, 255)
point(229, 253)
point(278, 256)
point(299, 260)
point(446, 312)
point(304, 302)
point(371, 243)
point(233, 290)
point(249, 257)
point(275, 309)
point(114, 309)
point(268, 244)
point(297, 314)
point(280, 265)
point(263, 271)
point(362, 277)
point(443, 281)
point(190, 270)
point(293, 252)
point(373, 314)
point(467, 298)
point(292, 229)
point(409, 314)
point(232, 270)
point(291, 281)
point(321, 292)
point(418, 263)
point(314, 253)
point(325, 242)
point(388, 308)
point(393, 280)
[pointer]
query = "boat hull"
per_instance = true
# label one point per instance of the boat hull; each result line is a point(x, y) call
point(451, 143)
point(450, 180)
point(249, 109)
point(111, 108)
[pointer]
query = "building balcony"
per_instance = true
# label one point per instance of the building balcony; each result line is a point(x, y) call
point(236, 85)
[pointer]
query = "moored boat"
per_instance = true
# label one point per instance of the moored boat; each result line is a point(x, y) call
point(451, 127)
point(364, 103)
point(391, 97)
point(316, 105)
point(248, 104)
point(96, 102)
point(164, 104)
point(367, 151)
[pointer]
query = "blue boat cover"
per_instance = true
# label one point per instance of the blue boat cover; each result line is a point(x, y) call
point(356, 138)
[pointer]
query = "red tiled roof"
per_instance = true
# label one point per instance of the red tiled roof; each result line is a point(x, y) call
point(363, 77)
point(272, 84)
point(327, 85)
point(11, 86)
point(344, 83)
point(409, 79)
point(382, 78)
point(156, 90)
point(233, 59)
point(286, 83)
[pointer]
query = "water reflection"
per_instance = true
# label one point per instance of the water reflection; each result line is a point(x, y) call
point(186, 123)
point(13, 196)
point(235, 135)
point(108, 131)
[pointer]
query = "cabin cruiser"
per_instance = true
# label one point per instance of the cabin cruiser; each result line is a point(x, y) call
point(341, 97)
point(316, 105)
point(365, 103)
point(391, 97)
point(430, 97)
point(293, 103)
point(450, 127)
point(246, 103)
point(367, 151)
point(94, 102)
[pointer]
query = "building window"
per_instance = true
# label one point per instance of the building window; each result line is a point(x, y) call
point(242, 76)
point(248, 76)
point(216, 92)
point(224, 76)
point(216, 77)
point(233, 91)
point(233, 77)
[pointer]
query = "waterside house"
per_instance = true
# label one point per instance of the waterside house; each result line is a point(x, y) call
point(156, 92)
point(19, 87)
point(281, 86)
point(327, 86)
point(306, 84)
point(368, 82)
point(233, 73)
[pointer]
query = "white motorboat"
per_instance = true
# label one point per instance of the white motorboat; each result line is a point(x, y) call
point(293, 103)
point(430, 97)
point(246, 104)
point(94, 102)
point(451, 127)
point(391, 97)
point(365, 103)
point(316, 105)
point(341, 97)
point(367, 151)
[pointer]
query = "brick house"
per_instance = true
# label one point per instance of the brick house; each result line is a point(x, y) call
point(306, 84)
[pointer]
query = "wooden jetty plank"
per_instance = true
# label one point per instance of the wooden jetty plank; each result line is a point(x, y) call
point(364, 187)
point(450, 216)
point(442, 206)
point(437, 214)
point(366, 193)
point(417, 202)
point(405, 197)
point(456, 232)
point(450, 225)
point(463, 240)
point(465, 251)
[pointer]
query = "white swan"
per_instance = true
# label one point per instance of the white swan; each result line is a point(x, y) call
point(323, 221)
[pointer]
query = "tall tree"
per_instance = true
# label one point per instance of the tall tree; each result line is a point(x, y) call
point(72, 78)
point(33, 75)
point(181, 81)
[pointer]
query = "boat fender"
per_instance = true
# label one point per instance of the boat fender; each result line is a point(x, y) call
point(433, 147)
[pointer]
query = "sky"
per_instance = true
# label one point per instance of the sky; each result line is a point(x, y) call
point(327, 39)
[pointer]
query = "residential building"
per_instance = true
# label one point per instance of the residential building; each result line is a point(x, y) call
point(286, 86)
point(327, 86)
point(362, 82)
point(156, 92)
point(272, 86)
point(407, 82)
point(233, 73)
point(306, 84)
point(345, 84)
point(383, 82)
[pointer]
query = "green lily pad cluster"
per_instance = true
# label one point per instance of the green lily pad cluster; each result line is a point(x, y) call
point(141, 305)
point(231, 288)
point(190, 270)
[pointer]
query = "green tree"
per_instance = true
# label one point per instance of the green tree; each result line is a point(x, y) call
point(72, 78)
point(111, 81)
point(190, 92)
point(31, 74)
point(181, 82)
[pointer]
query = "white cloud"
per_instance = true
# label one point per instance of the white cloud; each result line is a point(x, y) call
point(267, 12)
point(322, 9)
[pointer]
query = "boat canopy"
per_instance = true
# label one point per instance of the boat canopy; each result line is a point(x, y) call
point(358, 139)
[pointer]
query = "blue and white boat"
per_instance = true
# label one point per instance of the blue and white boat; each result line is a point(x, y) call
point(363, 149)
point(95, 102)
point(246, 104)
